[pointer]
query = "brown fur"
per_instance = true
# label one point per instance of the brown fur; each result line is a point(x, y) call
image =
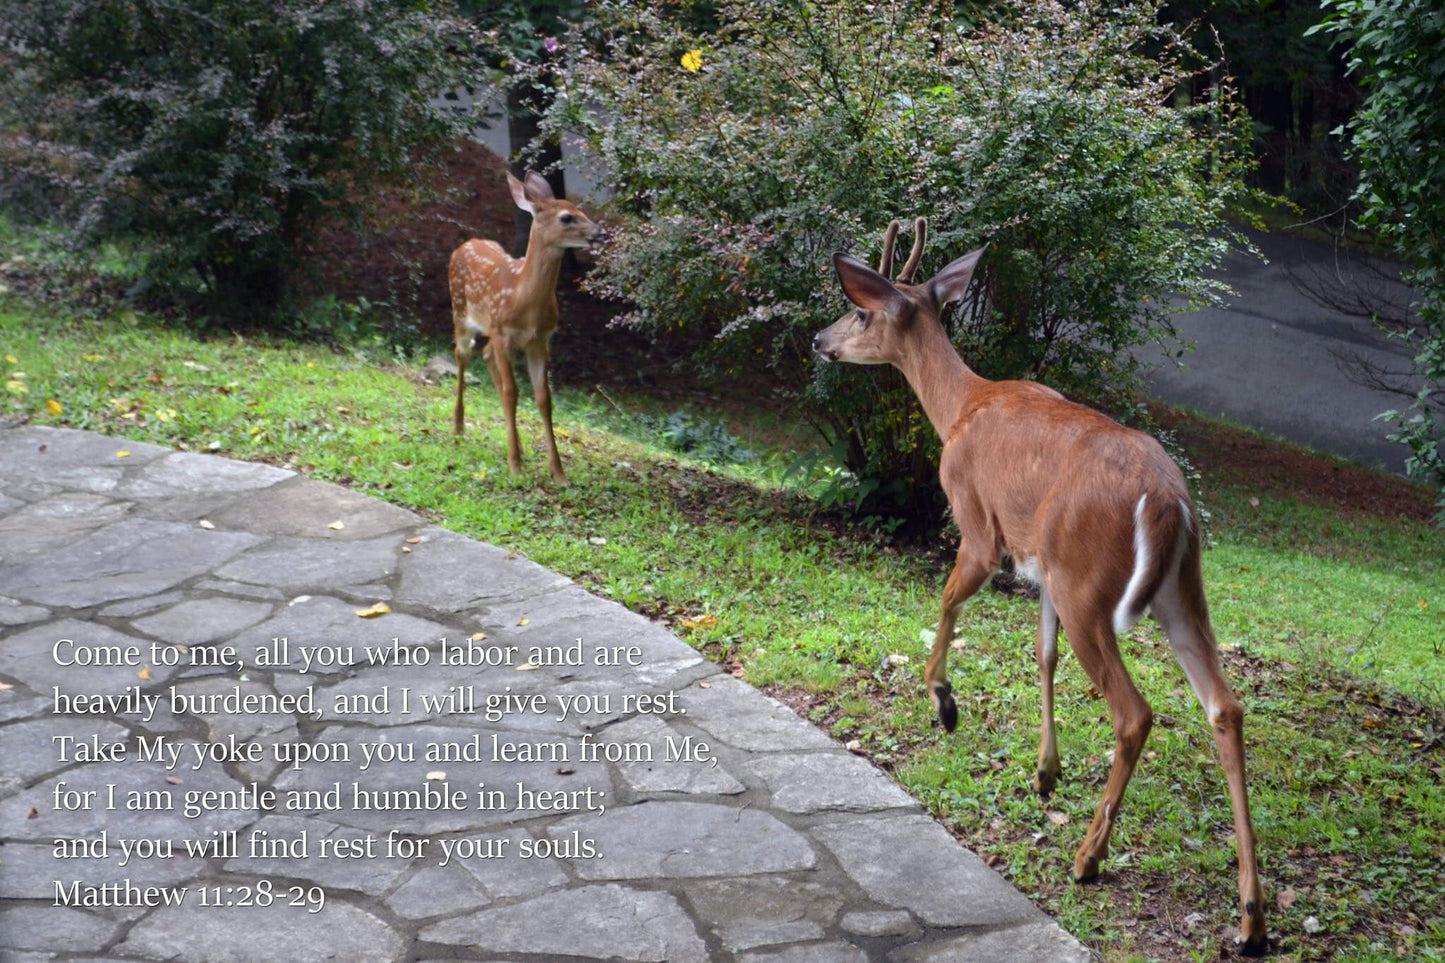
point(513, 304)
point(1056, 486)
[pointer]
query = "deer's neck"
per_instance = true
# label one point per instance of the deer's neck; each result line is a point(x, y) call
point(540, 268)
point(938, 376)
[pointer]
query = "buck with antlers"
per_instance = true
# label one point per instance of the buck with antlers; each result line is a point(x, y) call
point(513, 304)
point(1096, 514)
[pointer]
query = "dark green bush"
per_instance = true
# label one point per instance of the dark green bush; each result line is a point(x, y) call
point(743, 158)
point(224, 131)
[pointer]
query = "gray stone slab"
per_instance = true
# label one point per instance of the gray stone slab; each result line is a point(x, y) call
point(372, 874)
point(880, 923)
point(202, 620)
point(17, 704)
point(743, 717)
point(130, 608)
point(53, 929)
point(657, 774)
point(437, 891)
point(194, 474)
point(512, 873)
point(309, 564)
point(235, 934)
point(167, 823)
point(325, 622)
point(30, 656)
point(598, 922)
point(1031, 942)
point(679, 840)
point(911, 862)
point(303, 507)
point(55, 521)
point(810, 782)
point(32, 869)
point(446, 572)
point(749, 912)
point(562, 617)
point(16, 612)
point(31, 749)
point(135, 557)
point(35, 452)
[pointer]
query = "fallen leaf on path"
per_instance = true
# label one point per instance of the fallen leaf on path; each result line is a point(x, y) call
point(524, 621)
point(145, 672)
point(380, 608)
point(338, 526)
point(174, 780)
point(436, 775)
point(206, 524)
point(478, 636)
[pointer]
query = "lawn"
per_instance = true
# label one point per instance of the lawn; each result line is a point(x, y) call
point(1333, 621)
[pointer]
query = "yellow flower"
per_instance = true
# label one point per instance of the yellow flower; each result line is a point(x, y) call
point(692, 61)
point(53, 408)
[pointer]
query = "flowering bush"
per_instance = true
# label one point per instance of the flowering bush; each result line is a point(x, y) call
point(1059, 134)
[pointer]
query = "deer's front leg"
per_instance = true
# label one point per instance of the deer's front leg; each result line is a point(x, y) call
point(459, 410)
point(967, 575)
point(1047, 652)
point(499, 359)
point(542, 391)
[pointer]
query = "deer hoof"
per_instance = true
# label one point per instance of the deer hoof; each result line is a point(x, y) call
point(947, 708)
point(1255, 942)
point(1086, 870)
point(1045, 781)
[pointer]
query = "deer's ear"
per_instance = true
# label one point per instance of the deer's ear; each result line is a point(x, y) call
point(519, 193)
point(951, 283)
point(537, 188)
point(865, 287)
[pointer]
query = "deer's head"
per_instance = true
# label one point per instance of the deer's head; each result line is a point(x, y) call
point(878, 330)
point(557, 224)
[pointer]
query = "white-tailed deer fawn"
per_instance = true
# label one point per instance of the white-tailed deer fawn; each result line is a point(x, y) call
point(513, 304)
point(1096, 514)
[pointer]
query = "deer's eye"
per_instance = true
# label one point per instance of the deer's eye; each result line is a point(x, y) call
point(567, 219)
point(862, 317)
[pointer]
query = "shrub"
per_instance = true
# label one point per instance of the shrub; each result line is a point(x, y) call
point(224, 130)
point(1058, 133)
point(1398, 48)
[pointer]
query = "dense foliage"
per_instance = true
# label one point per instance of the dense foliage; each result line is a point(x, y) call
point(223, 131)
point(1058, 134)
point(1398, 137)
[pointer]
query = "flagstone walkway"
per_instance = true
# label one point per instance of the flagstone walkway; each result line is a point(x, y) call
point(187, 671)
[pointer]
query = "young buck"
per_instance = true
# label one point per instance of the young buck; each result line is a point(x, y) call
point(513, 304)
point(1096, 514)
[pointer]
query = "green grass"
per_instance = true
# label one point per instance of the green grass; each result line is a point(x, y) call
point(1329, 622)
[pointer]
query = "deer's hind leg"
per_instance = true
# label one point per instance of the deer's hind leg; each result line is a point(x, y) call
point(1089, 623)
point(1180, 608)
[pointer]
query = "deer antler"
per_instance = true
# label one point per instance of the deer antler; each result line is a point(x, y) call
point(920, 235)
point(885, 263)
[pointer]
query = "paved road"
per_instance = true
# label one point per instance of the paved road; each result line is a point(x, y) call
point(1271, 359)
point(775, 844)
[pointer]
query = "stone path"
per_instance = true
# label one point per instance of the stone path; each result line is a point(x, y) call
point(773, 844)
